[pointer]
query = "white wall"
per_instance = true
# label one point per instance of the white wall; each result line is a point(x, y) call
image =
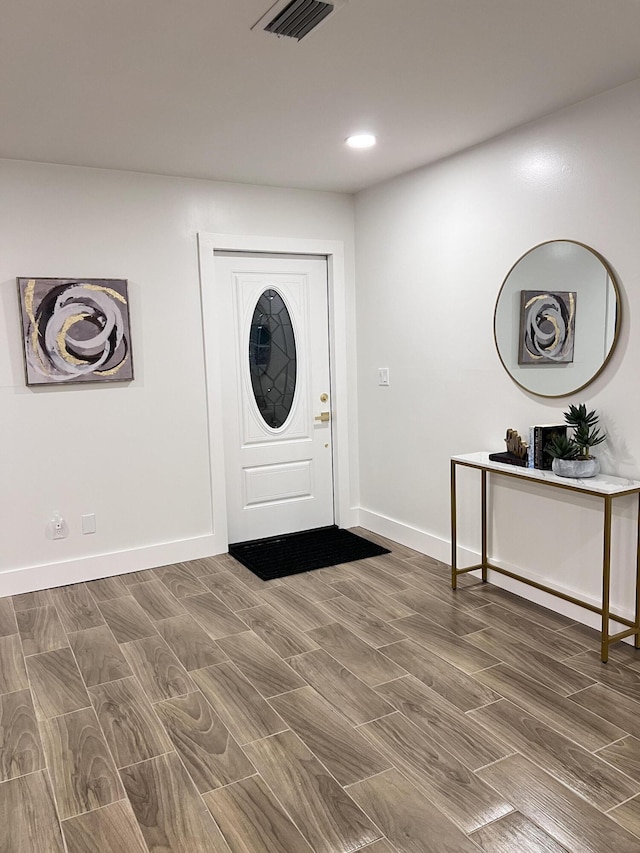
point(136, 454)
point(433, 248)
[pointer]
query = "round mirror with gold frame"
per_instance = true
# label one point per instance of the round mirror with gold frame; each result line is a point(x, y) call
point(557, 318)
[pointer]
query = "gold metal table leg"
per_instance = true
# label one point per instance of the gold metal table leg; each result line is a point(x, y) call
point(454, 544)
point(606, 578)
point(484, 526)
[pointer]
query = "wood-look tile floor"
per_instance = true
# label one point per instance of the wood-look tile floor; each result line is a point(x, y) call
point(196, 708)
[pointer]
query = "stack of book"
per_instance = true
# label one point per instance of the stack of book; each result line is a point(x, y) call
point(539, 437)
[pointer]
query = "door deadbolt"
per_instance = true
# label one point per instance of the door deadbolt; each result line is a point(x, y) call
point(324, 398)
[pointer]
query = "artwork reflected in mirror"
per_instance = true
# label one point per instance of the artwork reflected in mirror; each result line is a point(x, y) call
point(547, 327)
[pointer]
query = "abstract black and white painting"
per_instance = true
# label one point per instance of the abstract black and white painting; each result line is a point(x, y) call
point(75, 330)
point(547, 327)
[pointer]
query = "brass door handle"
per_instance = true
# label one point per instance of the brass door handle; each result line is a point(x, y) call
point(323, 417)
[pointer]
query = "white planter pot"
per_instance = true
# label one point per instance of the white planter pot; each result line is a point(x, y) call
point(579, 469)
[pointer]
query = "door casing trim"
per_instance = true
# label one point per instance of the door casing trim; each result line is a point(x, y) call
point(333, 250)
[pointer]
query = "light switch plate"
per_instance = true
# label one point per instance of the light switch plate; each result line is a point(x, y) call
point(383, 376)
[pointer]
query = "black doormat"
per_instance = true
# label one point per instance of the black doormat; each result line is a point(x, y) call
point(292, 553)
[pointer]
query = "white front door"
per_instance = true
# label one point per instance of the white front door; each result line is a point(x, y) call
point(273, 322)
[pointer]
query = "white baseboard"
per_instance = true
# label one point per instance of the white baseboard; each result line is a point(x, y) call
point(66, 572)
point(412, 537)
point(32, 578)
point(440, 549)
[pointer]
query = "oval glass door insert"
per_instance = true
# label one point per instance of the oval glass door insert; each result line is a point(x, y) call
point(272, 358)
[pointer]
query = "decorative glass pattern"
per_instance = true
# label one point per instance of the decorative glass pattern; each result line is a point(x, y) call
point(272, 358)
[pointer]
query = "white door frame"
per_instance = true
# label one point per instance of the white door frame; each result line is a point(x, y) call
point(333, 250)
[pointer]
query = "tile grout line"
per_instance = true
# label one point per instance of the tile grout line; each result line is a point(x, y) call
point(176, 752)
point(393, 680)
point(125, 799)
point(373, 775)
point(266, 737)
point(173, 751)
point(330, 774)
point(498, 760)
point(477, 591)
point(24, 775)
point(554, 776)
point(24, 654)
point(195, 788)
point(548, 722)
point(54, 801)
point(382, 717)
point(622, 803)
point(371, 687)
point(38, 728)
point(39, 723)
point(58, 609)
point(145, 760)
point(229, 784)
point(500, 698)
point(100, 727)
point(104, 736)
point(46, 770)
point(618, 740)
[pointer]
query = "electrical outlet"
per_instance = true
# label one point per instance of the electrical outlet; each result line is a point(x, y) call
point(57, 527)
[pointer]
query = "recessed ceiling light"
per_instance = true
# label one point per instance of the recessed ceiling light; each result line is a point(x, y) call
point(361, 140)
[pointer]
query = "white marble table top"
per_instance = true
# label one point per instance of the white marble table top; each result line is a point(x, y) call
point(602, 484)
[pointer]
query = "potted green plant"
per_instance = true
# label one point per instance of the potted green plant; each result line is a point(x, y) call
point(571, 453)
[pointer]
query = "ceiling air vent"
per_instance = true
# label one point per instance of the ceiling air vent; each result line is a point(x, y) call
point(296, 18)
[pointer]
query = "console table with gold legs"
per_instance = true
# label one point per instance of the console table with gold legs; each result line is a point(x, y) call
point(603, 486)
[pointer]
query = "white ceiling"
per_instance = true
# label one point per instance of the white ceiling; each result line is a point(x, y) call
point(184, 87)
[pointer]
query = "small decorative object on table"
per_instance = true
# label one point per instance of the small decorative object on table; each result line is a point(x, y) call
point(571, 456)
point(516, 453)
